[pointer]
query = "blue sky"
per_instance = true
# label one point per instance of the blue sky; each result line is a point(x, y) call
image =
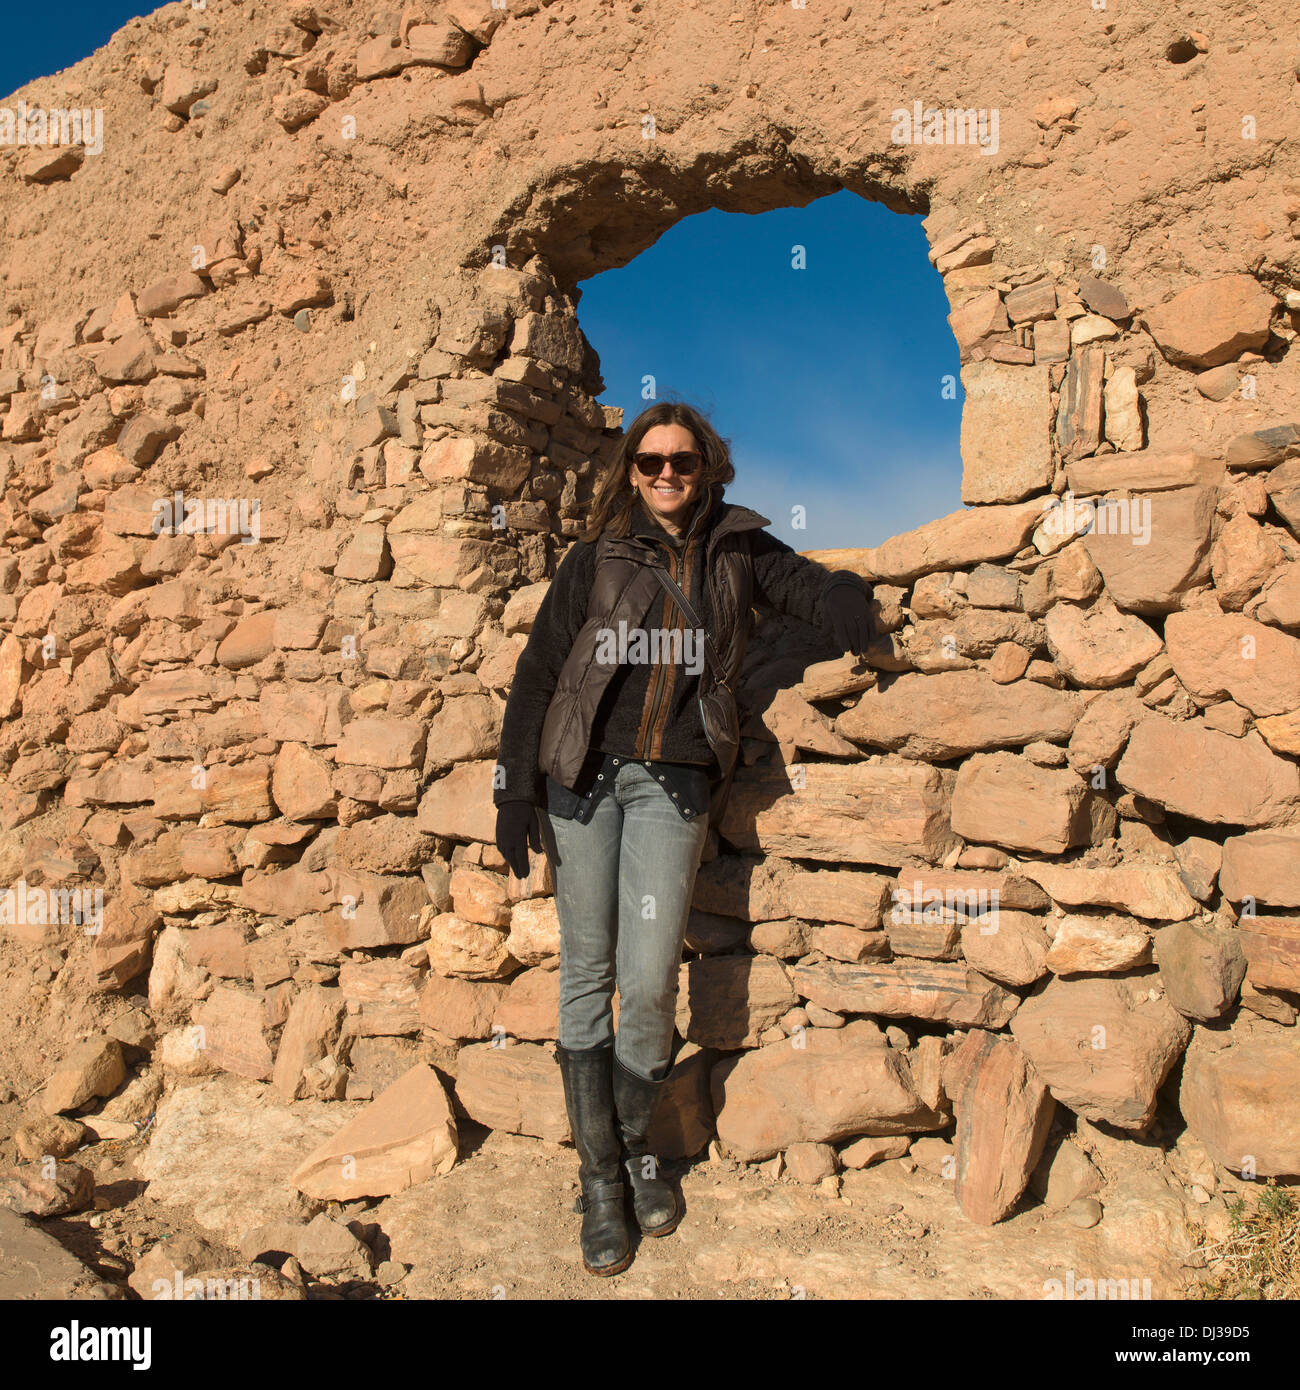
point(826, 380)
point(42, 40)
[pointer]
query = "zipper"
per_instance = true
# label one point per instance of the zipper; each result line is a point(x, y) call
point(683, 605)
point(674, 567)
point(670, 610)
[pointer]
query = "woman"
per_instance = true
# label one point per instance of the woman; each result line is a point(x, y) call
point(617, 747)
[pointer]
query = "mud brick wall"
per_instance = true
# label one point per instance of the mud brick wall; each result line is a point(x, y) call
point(1035, 858)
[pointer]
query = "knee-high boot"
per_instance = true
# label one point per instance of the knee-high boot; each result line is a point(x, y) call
point(657, 1208)
point(589, 1099)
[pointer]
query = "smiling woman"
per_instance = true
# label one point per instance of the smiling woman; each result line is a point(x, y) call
point(668, 482)
point(666, 468)
point(617, 768)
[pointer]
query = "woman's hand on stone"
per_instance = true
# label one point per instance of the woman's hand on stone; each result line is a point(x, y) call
point(848, 610)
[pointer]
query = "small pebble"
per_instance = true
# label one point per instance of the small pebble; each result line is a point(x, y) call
point(302, 321)
point(1084, 1212)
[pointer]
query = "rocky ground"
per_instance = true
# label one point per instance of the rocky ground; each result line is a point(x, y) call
point(501, 1225)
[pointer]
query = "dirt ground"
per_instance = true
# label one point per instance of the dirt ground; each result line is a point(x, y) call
point(501, 1225)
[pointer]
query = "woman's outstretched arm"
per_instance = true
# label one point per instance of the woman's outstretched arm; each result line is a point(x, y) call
point(836, 602)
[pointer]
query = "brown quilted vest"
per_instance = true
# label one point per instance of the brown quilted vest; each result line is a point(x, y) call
point(624, 588)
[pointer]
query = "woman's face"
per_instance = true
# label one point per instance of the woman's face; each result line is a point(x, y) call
point(670, 495)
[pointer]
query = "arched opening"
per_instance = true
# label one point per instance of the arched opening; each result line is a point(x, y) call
point(816, 339)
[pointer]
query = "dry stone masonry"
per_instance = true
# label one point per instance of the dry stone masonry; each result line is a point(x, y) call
point(298, 419)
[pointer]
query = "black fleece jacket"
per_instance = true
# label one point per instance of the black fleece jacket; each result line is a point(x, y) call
point(630, 721)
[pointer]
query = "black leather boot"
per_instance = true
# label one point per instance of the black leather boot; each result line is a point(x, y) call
point(589, 1099)
point(657, 1209)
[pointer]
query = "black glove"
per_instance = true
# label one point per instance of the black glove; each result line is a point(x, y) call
point(848, 610)
point(517, 833)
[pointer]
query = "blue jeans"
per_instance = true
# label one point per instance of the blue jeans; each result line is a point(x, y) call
point(623, 887)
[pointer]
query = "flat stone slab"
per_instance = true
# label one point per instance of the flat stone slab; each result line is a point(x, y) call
point(949, 991)
point(956, 541)
point(223, 1148)
point(865, 813)
point(35, 1267)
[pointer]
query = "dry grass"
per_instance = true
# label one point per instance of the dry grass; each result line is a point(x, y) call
point(1261, 1256)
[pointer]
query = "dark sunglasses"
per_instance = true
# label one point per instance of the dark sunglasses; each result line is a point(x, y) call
point(684, 464)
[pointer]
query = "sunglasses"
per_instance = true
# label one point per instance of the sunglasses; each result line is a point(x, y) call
point(684, 464)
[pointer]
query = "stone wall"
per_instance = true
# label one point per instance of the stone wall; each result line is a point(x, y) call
point(1035, 858)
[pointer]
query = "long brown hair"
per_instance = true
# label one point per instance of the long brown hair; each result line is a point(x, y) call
point(615, 497)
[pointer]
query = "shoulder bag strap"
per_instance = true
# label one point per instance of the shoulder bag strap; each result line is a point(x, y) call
point(688, 611)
